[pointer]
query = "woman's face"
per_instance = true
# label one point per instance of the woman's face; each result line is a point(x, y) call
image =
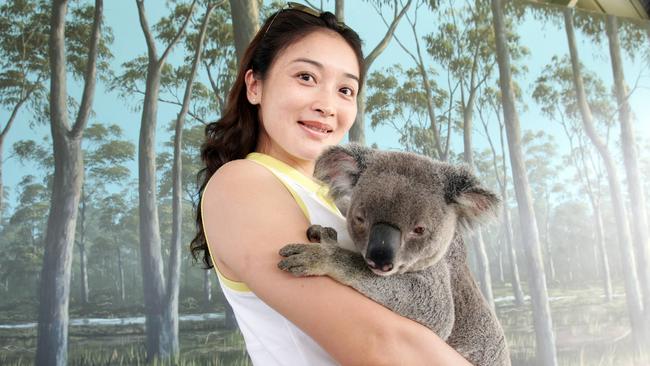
point(308, 98)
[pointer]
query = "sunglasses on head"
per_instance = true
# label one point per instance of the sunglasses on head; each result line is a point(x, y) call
point(301, 8)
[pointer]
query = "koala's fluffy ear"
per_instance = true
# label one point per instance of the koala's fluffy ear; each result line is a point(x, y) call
point(474, 203)
point(340, 168)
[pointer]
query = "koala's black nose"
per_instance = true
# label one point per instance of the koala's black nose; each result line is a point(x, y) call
point(383, 244)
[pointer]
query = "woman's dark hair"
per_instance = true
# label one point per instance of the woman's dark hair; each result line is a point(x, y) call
point(235, 134)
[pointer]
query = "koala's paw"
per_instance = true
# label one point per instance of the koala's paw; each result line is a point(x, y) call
point(304, 259)
point(320, 234)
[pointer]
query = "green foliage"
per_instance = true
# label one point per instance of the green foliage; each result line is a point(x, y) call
point(168, 26)
point(555, 93)
point(541, 150)
point(219, 63)
point(31, 151)
point(78, 30)
point(464, 40)
point(632, 34)
point(106, 154)
point(397, 99)
point(22, 238)
point(24, 63)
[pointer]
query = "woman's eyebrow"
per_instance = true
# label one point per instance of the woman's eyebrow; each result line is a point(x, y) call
point(320, 66)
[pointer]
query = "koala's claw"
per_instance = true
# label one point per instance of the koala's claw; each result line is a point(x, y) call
point(313, 233)
point(303, 260)
point(322, 234)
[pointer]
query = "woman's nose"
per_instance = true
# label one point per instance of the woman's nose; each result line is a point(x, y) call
point(324, 103)
point(325, 111)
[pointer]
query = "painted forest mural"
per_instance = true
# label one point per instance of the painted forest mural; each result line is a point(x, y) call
point(102, 110)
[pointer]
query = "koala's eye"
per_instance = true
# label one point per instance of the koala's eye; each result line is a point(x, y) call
point(418, 230)
point(359, 219)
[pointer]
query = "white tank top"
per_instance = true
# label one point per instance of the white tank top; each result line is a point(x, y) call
point(270, 338)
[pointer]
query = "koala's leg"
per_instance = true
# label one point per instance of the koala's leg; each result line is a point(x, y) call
point(423, 296)
point(477, 334)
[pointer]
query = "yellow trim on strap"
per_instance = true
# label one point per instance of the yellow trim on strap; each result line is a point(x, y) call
point(321, 190)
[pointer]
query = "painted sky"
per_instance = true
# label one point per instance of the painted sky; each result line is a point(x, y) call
point(544, 41)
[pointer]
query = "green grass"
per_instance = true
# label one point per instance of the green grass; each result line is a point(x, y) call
point(201, 343)
point(588, 332)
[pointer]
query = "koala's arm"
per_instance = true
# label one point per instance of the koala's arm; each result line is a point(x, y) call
point(424, 296)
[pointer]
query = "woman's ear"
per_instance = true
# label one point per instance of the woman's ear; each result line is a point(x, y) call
point(253, 87)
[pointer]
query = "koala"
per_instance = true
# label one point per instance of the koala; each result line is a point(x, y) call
point(405, 214)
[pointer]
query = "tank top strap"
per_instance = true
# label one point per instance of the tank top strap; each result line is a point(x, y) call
point(295, 182)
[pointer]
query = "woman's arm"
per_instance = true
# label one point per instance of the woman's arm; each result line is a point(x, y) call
point(249, 216)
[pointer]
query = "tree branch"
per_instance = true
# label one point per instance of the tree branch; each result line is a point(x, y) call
point(58, 90)
point(389, 34)
point(151, 43)
point(14, 112)
point(172, 102)
point(178, 35)
point(90, 75)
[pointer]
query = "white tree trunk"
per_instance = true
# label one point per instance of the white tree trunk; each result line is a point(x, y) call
point(639, 217)
point(623, 229)
point(545, 339)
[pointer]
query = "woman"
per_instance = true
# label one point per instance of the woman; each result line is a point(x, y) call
point(295, 94)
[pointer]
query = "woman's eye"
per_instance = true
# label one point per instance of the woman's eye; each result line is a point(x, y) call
point(347, 92)
point(305, 77)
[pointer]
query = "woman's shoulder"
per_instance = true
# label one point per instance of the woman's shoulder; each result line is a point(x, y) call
point(237, 174)
point(242, 182)
point(238, 169)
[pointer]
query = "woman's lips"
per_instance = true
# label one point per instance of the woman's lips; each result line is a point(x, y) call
point(316, 128)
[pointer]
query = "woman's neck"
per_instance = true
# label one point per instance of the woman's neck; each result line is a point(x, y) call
point(306, 167)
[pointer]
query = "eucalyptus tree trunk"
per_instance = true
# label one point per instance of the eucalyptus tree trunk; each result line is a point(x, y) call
point(600, 252)
point(245, 23)
point(2, 141)
point(639, 215)
point(81, 244)
point(54, 294)
point(634, 304)
point(482, 261)
point(500, 271)
point(441, 154)
point(507, 221)
point(358, 131)
point(515, 281)
point(339, 10)
point(545, 339)
point(120, 269)
point(174, 271)
point(161, 340)
point(207, 288)
point(603, 259)
point(483, 267)
point(548, 253)
point(83, 260)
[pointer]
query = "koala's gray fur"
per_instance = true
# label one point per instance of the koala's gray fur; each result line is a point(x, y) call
point(404, 212)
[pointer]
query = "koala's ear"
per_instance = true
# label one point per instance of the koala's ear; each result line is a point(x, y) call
point(340, 168)
point(474, 203)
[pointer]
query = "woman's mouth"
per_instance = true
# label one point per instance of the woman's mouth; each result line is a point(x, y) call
point(316, 127)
